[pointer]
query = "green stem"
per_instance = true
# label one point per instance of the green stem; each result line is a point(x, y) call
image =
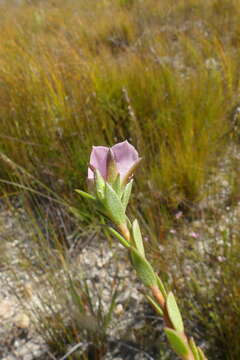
point(159, 297)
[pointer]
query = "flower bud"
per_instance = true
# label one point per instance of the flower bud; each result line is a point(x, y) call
point(112, 171)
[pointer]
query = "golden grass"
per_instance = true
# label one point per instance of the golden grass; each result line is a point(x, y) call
point(66, 69)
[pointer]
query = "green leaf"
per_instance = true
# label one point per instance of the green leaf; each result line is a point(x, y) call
point(119, 237)
point(85, 194)
point(99, 184)
point(144, 269)
point(154, 304)
point(174, 313)
point(117, 186)
point(137, 236)
point(194, 349)
point(161, 287)
point(177, 342)
point(114, 206)
point(126, 194)
point(201, 354)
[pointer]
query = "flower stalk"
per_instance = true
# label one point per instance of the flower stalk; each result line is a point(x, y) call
point(110, 173)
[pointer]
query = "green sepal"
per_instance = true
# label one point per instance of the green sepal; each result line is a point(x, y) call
point(85, 194)
point(201, 354)
point(99, 184)
point(194, 349)
point(161, 287)
point(112, 171)
point(137, 237)
point(119, 237)
point(126, 194)
point(114, 206)
point(174, 312)
point(154, 304)
point(143, 268)
point(129, 224)
point(177, 342)
point(117, 186)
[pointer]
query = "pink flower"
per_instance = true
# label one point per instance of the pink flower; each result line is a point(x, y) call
point(123, 157)
point(178, 215)
point(194, 235)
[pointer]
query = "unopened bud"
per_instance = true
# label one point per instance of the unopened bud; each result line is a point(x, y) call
point(112, 171)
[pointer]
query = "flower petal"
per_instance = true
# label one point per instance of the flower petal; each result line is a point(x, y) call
point(126, 155)
point(98, 160)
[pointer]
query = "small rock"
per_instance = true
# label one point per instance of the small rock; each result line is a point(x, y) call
point(22, 321)
point(118, 309)
point(6, 309)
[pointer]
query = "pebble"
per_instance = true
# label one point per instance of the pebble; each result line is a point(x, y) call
point(22, 321)
point(101, 266)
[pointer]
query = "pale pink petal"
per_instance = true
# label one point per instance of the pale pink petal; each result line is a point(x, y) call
point(126, 155)
point(98, 160)
point(179, 215)
point(194, 235)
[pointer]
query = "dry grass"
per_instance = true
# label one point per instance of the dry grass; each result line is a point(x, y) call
point(71, 72)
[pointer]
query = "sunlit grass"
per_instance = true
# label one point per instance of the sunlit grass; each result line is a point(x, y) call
point(67, 84)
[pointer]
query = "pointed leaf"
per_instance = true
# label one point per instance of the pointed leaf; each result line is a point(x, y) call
point(114, 206)
point(144, 269)
point(194, 349)
point(161, 287)
point(85, 194)
point(119, 237)
point(137, 236)
point(117, 186)
point(99, 184)
point(174, 313)
point(154, 304)
point(126, 194)
point(201, 354)
point(177, 342)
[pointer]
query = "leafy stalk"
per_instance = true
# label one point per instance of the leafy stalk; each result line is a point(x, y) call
point(113, 198)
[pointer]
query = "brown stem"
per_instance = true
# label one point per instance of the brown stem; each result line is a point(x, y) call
point(158, 296)
point(124, 231)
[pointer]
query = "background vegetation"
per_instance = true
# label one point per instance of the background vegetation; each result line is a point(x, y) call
point(165, 76)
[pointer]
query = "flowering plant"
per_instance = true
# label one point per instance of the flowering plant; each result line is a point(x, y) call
point(110, 178)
